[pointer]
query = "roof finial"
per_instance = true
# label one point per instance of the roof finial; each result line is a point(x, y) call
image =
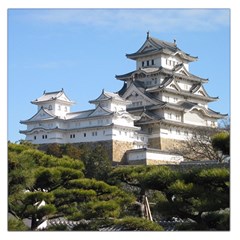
point(148, 34)
point(175, 41)
point(44, 91)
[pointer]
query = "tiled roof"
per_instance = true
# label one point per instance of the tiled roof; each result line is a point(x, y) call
point(49, 96)
point(160, 46)
point(170, 72)
point(50, 115)
point(168, 225)
point(107, 96)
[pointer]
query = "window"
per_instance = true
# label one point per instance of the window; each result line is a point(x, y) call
point(177, 117)
point(175, 99)
point(84, 134)
point(50, 107)
point(72, 135)
point(142, 63)
point(178, 132)
point(152, 61)
point(147, 63)
point(150, 130)
point(35, 137)
point(94, 134)
point(44, 136)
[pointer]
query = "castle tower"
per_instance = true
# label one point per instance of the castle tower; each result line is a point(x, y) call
point(170, 101)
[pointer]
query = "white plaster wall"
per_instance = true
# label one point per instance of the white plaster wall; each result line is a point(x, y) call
point(123, 121)
point(157, 62)
point(139, 155)
point(158, 156)
point(176, 133)
point(185, 85)
point(194, 118)
point(164, 157)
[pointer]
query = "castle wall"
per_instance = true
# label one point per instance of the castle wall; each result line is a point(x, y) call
point(115, 149)
point(119, 149)
point(154, 143)
point(170, 144)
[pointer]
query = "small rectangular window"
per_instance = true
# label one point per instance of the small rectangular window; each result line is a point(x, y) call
point(147, 63)
point(150, 130)
point(84, 134)
point(45, 136)
point(142, 63)
point(35, 137)
point(152, 61)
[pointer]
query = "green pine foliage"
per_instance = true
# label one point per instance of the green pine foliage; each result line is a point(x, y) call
point(43, 186)
point(221, 142)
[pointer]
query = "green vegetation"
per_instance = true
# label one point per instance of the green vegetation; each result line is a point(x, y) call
point(76, 184)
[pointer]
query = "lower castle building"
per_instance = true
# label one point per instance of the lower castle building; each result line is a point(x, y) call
point(159, 105)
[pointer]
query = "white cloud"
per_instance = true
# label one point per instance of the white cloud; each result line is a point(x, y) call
point(158, 20)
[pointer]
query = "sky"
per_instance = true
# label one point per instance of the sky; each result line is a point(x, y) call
point(81, 51)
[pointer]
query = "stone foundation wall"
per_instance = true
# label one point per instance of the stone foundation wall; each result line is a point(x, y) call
point(170, 144)
point(154, 143)
point(119, 149)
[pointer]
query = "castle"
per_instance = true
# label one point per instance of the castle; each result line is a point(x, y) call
point(159, 106)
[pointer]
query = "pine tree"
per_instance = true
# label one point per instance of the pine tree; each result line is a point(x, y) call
point(42, 186)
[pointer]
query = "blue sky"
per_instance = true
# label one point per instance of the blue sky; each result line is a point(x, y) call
point(81, 50)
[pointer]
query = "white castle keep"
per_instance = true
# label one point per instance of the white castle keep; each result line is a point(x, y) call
point(159, 105)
